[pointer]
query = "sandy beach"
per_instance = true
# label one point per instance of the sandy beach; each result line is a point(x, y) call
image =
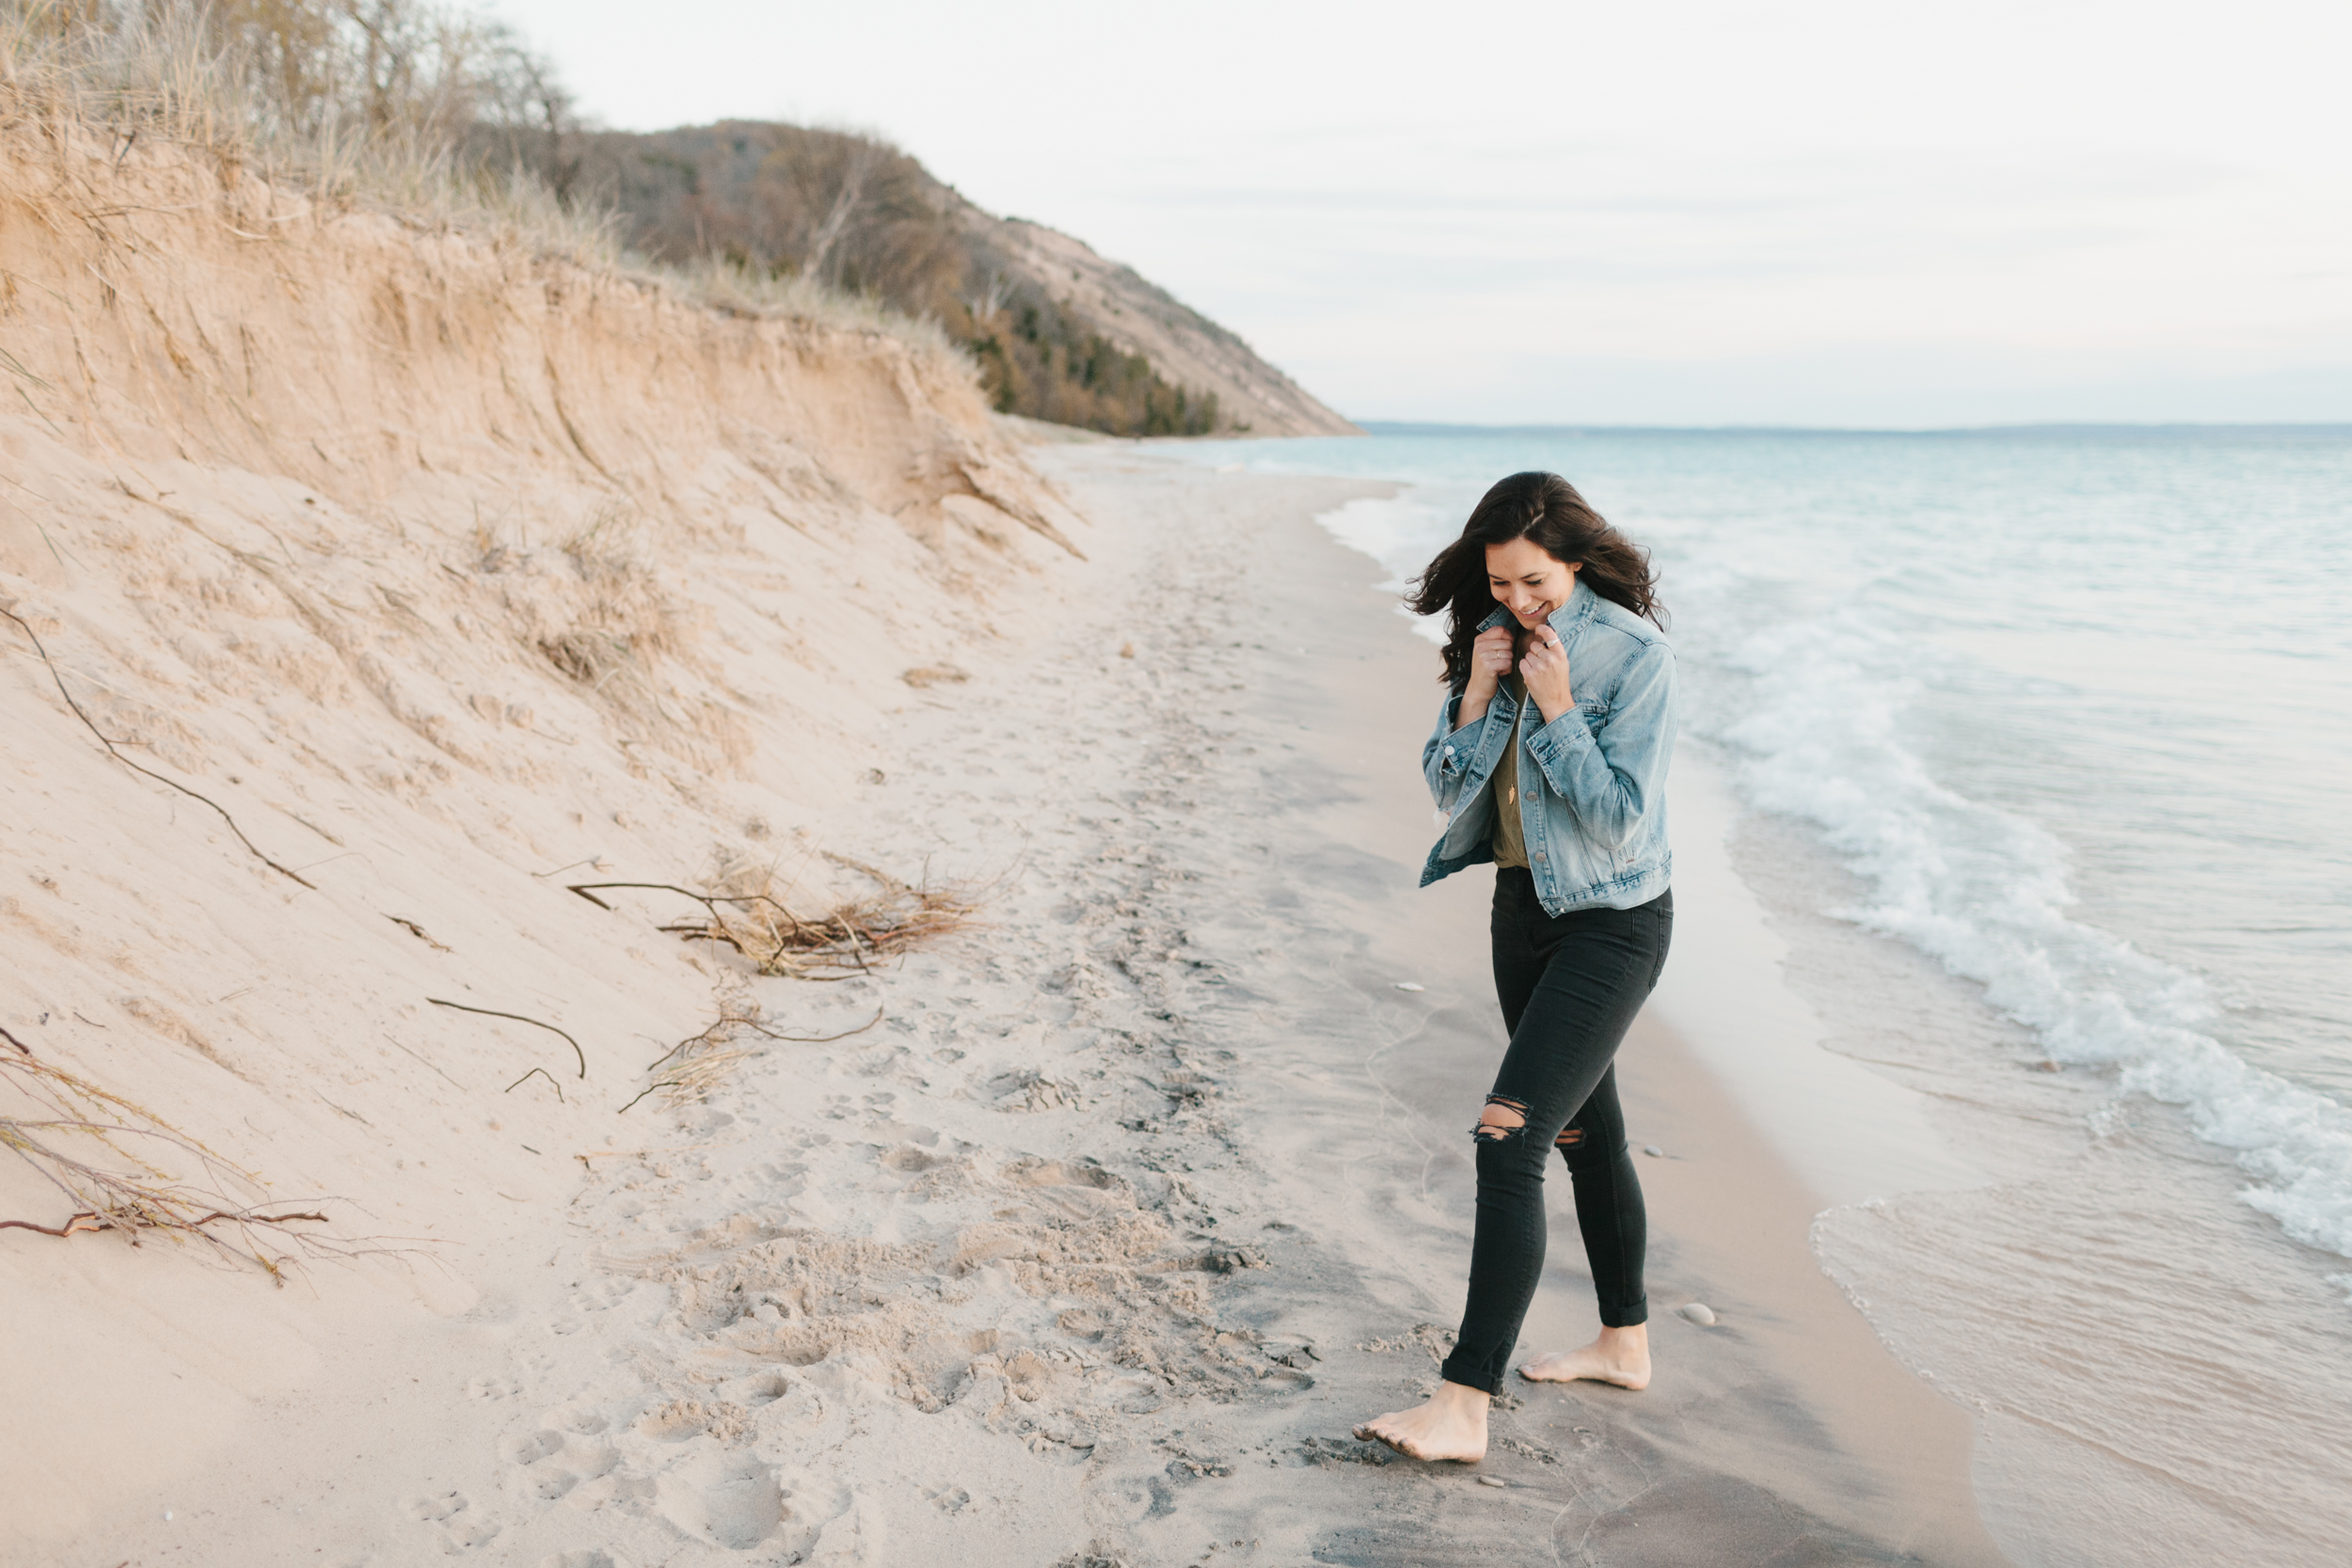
point(646, 924)
point(1143, 1189)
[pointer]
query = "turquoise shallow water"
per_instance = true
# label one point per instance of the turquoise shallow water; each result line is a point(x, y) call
point(2075, 706)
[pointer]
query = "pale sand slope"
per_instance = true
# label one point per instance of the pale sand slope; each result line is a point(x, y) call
point(1142, 1193)
point(452, 572)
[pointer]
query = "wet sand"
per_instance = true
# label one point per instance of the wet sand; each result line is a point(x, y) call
point(1784, 1433)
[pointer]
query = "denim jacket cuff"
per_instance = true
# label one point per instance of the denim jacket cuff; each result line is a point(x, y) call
point(1455, 750)
point(1568, 731)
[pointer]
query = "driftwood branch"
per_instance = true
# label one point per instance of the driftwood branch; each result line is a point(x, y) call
point(708, 900)
point(815, 1039)
point(418, 933)
point(110, 1185)
point(665, 1084)
point(538, 1071)
point(739, 1012)
point(89, 1220)
point(493, 1012)
point(115, 752)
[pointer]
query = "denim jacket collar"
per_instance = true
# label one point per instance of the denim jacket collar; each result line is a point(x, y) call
point(1573, 612)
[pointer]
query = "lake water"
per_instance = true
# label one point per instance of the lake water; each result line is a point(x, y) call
point(2072, 710)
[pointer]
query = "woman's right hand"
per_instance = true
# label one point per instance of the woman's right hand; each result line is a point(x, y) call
point(1492, 657)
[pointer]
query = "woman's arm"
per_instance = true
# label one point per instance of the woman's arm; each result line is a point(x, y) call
point(1613, 781)
point(1489, 662)
point(1455, 743)
point(1445, 757)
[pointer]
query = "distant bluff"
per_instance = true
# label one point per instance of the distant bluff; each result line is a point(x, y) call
point(1060, 332)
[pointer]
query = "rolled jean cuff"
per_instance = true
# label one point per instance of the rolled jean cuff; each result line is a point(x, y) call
point(1457, 1370)
point(1627, 1315)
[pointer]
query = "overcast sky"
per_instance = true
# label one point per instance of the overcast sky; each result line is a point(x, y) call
point(1688, 211)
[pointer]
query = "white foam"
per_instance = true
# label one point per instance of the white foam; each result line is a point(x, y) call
point(1394, 531)
point(1985, 893)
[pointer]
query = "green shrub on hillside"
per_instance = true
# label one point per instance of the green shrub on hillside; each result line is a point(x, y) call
point(856, 213)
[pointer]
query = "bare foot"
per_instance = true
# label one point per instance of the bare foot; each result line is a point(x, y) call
point(1453, 1425)
point(1620, 1355)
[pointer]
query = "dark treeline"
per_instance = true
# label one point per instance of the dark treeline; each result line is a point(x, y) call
point(858, 214)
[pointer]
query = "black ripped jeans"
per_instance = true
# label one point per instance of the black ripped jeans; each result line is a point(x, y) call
point(1569, 985)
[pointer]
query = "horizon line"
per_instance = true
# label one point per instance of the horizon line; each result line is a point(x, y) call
point(2053, 427)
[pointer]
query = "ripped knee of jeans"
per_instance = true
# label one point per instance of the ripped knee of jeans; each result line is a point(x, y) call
point(1570, 1137)
point(1502, 1119)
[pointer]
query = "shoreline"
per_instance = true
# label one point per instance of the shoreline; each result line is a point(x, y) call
point(2036, 1193)
point(1141, 1193)
point(1772, 1411)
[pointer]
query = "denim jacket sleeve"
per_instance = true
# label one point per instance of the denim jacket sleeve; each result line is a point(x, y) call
point(1446, 759)
point(1613, 775)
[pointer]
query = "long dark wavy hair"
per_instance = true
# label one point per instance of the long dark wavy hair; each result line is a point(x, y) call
point(1544, 509)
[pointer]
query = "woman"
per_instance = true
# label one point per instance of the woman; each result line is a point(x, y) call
point(1550, 759)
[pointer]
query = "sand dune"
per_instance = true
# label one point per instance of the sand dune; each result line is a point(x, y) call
point(440, 567)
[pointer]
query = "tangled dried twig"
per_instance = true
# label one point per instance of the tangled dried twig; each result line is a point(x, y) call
point(701, 1060)
point(136, 1195)
point(665, 1084)
point(493, 1012)
point(115, 753)
point(839, 945)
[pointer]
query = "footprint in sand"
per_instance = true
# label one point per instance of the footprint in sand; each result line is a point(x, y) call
point(531, 1446)
point(546, 1475)
point(602, 1297)
point(466, 1535)
point(730, 1499)
point(680, 1420)
point(431, 1509)
point(760, 1389)
point(1033, 1172)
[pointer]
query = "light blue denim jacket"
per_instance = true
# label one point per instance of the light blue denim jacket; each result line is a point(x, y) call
point(1592, 783)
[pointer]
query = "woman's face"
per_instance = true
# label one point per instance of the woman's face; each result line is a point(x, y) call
point(1527, 581)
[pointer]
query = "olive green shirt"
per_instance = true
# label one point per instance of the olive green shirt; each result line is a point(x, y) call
point(1510, 834)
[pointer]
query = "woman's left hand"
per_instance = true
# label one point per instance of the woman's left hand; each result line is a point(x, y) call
point(1544, 668)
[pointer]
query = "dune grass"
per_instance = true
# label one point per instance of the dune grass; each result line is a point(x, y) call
point(104, 1155)
point(300, 94)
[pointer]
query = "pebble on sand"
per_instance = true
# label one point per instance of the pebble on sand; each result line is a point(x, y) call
point(1491, 1480)
point(1653, 1151)
point(1410, 985)
point(1698, 1312)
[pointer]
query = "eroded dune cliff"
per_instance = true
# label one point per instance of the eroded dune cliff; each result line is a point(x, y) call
point(420, 575)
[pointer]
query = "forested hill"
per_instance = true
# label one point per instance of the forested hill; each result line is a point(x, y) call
point(1060, 333)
